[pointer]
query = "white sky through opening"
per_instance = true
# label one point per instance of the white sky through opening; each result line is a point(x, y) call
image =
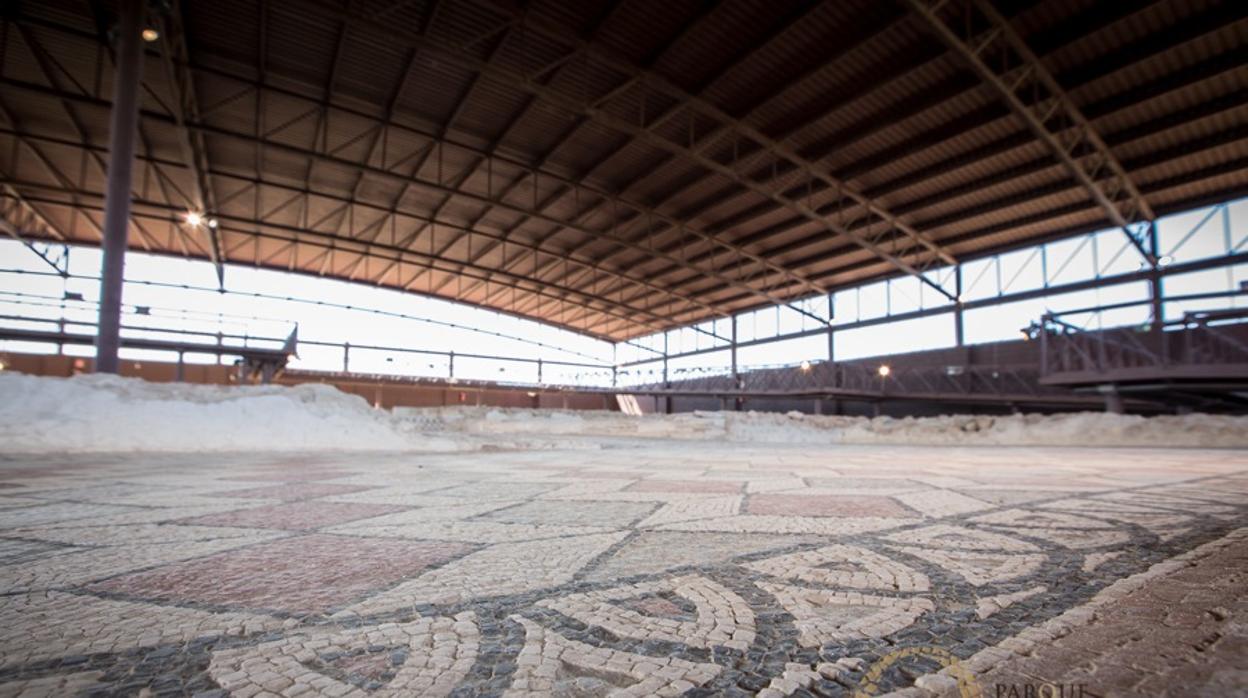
point(1198, 234)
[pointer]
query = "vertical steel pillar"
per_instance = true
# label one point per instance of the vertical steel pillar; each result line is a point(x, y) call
point(667, 399)
point(736, 377)
point(1154, 277)
point(831, 331)
point(1154, 295)
point(1044, 345)
point(123, 130)
point(958, 332)
point(665, 383)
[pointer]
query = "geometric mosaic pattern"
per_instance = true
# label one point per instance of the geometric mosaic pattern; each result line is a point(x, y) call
point(715, 615)
point(428, 656)
point(823, 616)
point(843, 566)
point(649, 568)
point(296, 575)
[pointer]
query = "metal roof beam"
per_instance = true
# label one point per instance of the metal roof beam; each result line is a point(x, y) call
point(18, 215)
point(552, 69)
point(1073, 78)
point(739, 130)
point(567, 136)
point(260, 229)
point(949, 90)
point(392, 175)
point(971, 236)
point(1229, 61)
point(304, 195)
point(458, 56)
point(795, 20)
point(1226, 104)
point(443, 131)
point(645, 134)
point(1021, 72)
point(1058, 213)
point(1180, 33)
point(176, 56)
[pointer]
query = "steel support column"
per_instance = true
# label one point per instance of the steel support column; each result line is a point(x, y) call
point(1156, 297)
point(123, 129)
point(1154, 277)
point(959, 333)
point(667, 399)
point(831, 328)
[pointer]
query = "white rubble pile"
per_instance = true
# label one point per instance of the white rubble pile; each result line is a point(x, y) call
point(1072, 429)
point(102, 413)
point(99, 413)
point(550, 422)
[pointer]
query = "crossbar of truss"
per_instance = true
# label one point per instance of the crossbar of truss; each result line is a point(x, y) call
point(1004, 62)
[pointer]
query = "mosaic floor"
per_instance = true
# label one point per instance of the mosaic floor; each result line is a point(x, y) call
point(698, 569)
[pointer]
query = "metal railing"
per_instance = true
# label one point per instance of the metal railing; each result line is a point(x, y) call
point(1199, 344)
point(59, 321)
point(875, 382)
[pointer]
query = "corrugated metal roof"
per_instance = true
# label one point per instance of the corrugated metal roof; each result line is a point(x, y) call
point(606, 156)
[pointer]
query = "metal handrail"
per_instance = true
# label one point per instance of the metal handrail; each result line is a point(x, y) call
point(1066, 347)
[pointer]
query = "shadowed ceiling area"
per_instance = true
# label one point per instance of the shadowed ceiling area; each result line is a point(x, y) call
point(618, 168)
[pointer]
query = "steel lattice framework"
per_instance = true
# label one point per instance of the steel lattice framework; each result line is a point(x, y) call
point(619, 168)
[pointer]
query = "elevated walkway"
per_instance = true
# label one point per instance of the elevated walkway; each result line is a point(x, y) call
point(1199, 361)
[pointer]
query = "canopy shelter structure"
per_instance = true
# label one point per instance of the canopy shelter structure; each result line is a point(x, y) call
point(621, 168)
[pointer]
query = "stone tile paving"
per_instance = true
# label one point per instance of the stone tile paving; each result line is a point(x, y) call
point(646, 570)
point(1176, 629)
